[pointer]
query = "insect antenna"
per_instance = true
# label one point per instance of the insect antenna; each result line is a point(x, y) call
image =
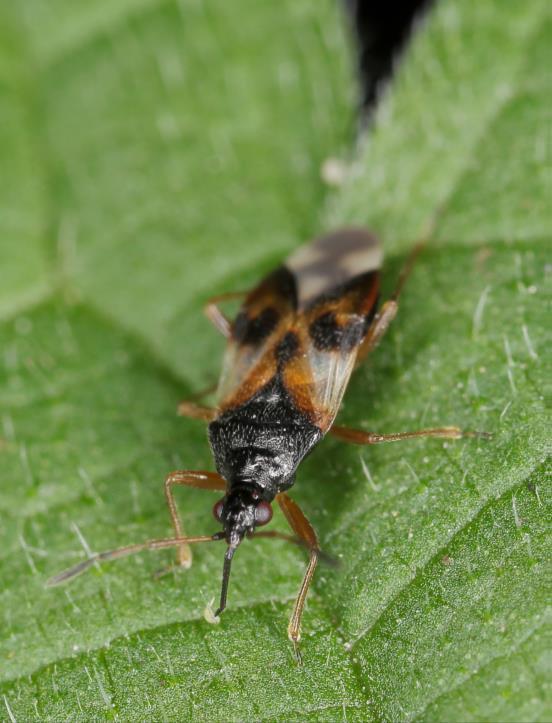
point(225, 578)
point(125, 551)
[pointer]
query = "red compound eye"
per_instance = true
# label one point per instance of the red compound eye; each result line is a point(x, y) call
point(217, 510)
point(263, 513)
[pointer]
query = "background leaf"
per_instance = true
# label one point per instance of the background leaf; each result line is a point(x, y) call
point(156, 153)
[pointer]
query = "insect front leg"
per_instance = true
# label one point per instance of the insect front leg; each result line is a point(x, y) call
point(304, 530)
point(125, 551)
point(189, 478)
point(294, 540)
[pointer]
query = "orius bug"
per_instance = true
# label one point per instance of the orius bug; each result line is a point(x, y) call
point(291, 351)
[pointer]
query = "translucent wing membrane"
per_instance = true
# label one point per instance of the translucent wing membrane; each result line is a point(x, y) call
point(306, 322)
point(330, 371)
point(267, 311)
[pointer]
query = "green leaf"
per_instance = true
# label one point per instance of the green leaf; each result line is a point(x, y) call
point(155, 153)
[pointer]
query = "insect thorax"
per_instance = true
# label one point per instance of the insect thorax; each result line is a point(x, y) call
point(263, 441)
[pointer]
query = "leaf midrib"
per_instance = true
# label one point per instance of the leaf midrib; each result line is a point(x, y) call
point(440, 551)
point(481, 668)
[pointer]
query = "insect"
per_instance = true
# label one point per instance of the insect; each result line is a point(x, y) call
point(290, 353)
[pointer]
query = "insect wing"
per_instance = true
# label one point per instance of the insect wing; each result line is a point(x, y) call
point(267, 311)
point(337, 282)
point(306, 321)
point(325, 266)
point(331, 337)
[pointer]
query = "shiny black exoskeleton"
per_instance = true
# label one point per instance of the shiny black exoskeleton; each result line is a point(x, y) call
point(257, 448)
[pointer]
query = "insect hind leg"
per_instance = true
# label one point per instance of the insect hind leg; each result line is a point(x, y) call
point(390, 308)
point(358, 436)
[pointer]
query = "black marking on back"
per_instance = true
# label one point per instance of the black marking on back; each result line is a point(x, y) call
point(282, 280)
point(254, 331)
point(279, 290)
point(287, 348)
point(328, 335)
point(325, 332)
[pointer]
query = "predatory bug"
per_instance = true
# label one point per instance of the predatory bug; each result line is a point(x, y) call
point(291, 350)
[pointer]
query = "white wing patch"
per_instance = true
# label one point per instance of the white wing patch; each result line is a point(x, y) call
point(332, 260)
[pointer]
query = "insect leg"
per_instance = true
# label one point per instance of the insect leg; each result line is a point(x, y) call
point(357, 436)
point(189, 478)
point(189, 408)
point(274, 534)
point(407, 268)
point(216, 316)
point(304, 530)
point(378, 328)
point(389, 309)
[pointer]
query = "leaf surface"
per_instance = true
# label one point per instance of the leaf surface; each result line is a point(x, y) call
point(156, 153)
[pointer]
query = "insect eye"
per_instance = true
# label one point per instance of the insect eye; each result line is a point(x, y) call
point(263, 513)
point(217, 510)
